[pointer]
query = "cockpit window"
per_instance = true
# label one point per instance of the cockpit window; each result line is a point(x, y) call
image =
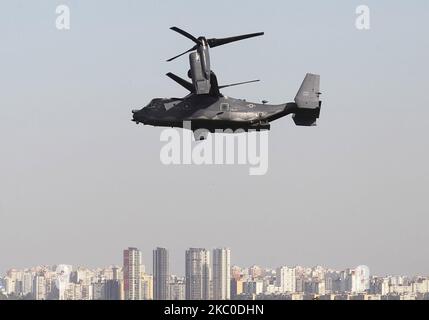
point(154, 104)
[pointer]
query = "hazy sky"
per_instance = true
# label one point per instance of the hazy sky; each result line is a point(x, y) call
point(79, 181)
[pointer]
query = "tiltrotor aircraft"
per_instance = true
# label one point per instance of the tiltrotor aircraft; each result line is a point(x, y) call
point(205, 107)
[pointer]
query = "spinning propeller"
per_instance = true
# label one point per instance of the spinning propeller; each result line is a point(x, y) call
point(212, 43)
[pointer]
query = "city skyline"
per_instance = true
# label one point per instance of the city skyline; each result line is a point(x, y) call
point(210, 275)
point(177, 267)
point(148, 264)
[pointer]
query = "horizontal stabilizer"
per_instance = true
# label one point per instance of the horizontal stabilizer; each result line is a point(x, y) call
point(307, 117)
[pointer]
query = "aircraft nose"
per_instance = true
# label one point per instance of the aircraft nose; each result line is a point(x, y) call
point(135, 116)
point(140, 116)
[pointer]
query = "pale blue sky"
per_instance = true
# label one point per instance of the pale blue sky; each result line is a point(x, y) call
point(79, 181)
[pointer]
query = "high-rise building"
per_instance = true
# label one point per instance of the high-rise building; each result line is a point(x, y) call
point(99, 291)
point(362, 275)
point(112, 290)
point(198, 274)
point(332, 282)
point(27, 283)
point(147, 286)
point(236, 272)
point(62, 279)
point(132, 273)
point(222, 274)
point(116, 274)
point(112, 287)
point(357, 280)
point(236, 287)
point(161, 274)
point(10, 285)
point(286, 279)
point(253, 287)
point(255, 272)
point(121, 290)
point(176, 288)
point(39, 287)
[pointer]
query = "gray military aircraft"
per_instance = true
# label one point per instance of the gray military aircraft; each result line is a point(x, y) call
point(205, 107)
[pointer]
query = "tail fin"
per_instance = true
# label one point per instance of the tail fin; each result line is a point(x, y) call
point(307, 101)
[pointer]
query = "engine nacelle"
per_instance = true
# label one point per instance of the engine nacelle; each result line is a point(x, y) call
point(198, 73)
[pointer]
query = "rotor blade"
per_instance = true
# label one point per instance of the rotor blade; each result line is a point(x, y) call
point(219, 42)
point(186, 34)
point(237, 84)
point(187, 85)
point(179, 55)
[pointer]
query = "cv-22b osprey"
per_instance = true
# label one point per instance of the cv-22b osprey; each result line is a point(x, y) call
point(205, 107)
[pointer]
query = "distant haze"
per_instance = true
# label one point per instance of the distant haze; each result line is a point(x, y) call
point(79, 181)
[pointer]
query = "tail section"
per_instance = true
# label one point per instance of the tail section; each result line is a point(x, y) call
point(307, 101)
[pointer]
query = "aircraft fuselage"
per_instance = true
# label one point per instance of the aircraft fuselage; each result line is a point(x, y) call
point(211, 113)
